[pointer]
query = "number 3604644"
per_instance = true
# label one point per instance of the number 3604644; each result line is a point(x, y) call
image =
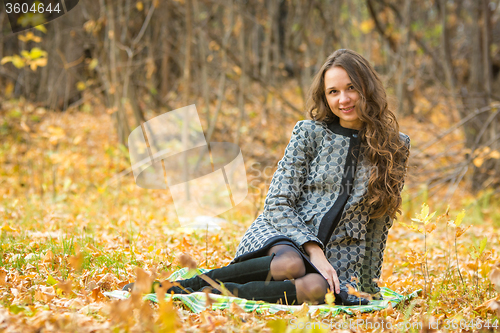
point(26, 14)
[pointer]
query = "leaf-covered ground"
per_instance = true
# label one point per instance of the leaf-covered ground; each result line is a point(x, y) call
point(74, 224)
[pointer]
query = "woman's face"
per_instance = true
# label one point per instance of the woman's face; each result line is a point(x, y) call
point(342, 97)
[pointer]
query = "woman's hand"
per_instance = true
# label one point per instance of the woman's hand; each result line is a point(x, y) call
point(319, 261)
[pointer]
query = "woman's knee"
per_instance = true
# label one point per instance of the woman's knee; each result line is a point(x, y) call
point(311, 287)
point(287, 264)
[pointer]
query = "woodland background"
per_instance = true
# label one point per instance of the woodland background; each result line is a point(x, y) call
point(74, 224)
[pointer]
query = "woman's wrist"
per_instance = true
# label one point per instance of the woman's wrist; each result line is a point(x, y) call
point(312, 248)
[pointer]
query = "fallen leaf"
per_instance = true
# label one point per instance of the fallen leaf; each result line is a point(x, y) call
point(66, 287)
point(302, 312)
point(187, 261)
point(108, 282)
point(45, 294)
point(492, 305)
point(49, 256)
point(97, 295)
point(76, 261)
point(495, 276)
point(3, 277)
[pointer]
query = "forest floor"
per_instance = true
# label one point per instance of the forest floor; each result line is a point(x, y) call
point(71, 228)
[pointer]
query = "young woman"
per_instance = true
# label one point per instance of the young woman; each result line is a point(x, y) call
point(332, 199)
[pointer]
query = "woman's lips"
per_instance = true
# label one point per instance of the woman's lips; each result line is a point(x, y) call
point(347, 110)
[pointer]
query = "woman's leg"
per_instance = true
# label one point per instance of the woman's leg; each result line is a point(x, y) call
point(311, 287)
point(287, 263)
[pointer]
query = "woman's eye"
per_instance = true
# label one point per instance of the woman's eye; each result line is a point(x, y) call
point(351, 88)
point(333, 91)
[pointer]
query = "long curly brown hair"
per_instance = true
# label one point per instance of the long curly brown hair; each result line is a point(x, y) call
point(379, 134)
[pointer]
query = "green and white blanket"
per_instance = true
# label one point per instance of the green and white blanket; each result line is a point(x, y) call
point(197, 301)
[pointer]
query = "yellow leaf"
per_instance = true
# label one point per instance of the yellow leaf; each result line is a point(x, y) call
point(459, 218)
point(93, 64)
point(425, 210)
point(330, 298)
point(5, 60)
point(81, 86)
point(367, 26)
point(38, 63)
point(77, 140)
point(15, 59)
point(478, 161)
point(495, 154)
point(7, 227)
point(30, 36)
point(51, 281)
point(37, 52)
point(42, 28)
point(139, 5)
point(277, 325)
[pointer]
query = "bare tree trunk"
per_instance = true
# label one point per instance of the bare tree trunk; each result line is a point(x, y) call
point(123, 128)
point(202, 48)
point(186, 92)
point(242, 84)
point(403, 55)
point(165, 60)
point(446, 53)
point(486, 48)
point(222, 80)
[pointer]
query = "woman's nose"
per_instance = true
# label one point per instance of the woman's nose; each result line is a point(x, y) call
point(344, 98)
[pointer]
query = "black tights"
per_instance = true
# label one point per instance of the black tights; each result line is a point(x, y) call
point(288, 264)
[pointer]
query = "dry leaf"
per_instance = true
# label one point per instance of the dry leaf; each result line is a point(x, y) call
point(187, 261)
point(495, 276)
point(3, 277)
point(492, 305)
point(49, 256)
point(460, 231)
point(352, 291)
point(76, 261)
point(208, 300)
point(108, 282)
point(143, 282)
point(97, 295)
point(302, 312)
point(44, 294)
point(66, 287)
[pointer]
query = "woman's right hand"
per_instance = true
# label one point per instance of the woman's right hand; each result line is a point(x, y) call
point(319, 261)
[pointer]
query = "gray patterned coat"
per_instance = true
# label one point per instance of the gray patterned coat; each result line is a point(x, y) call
point(309, 190)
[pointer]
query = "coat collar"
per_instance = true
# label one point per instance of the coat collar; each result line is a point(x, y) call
point(335, 127)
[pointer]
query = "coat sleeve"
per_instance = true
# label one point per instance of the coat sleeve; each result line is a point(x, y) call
point(377, 231)
point(286, 185)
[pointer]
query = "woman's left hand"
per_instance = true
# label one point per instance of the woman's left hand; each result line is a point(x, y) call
point(319, 261)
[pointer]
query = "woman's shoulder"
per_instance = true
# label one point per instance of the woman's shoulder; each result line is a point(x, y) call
point(310, 126)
